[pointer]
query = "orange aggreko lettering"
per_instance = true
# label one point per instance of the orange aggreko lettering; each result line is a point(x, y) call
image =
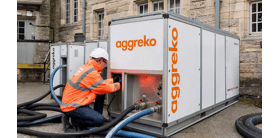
point(172, 105)
point(175, 76)
point(119, 44)
point(130, 46)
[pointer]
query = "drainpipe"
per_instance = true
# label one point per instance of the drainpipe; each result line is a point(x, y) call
point(84, 18)
point(217, 14)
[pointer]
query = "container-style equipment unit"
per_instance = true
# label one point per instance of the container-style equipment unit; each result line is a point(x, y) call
point(74, 55)
point(190, 68)
point(70, 54)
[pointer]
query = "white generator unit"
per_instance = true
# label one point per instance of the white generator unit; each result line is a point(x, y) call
point(74, 55)
point(189, 68)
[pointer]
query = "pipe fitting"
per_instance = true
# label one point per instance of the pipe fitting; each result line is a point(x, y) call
point(140, 105)
point(156, 108)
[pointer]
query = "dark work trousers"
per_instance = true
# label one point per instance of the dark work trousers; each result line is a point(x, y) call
point(99, 103)
point(85, 116)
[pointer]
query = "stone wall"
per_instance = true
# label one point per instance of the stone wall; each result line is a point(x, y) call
point(234, 17)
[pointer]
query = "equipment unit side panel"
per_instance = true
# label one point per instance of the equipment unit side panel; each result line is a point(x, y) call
point(137, 45)
point(55, 62)
point(183, 70)
point(232, 64)
point(220, 68)
point(63, 49)
point(75, 59)
point(88, 48)
point(208, 50)
point(103, 45)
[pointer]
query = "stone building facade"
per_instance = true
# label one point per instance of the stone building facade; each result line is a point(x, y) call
point(66, 17)
point(235, 17)
point(35, 38)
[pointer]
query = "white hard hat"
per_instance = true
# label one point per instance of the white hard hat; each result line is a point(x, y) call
point(99, 53)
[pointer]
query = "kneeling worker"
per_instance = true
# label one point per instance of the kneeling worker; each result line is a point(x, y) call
point(85, 85)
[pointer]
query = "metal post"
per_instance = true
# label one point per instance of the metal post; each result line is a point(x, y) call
point(217, 14)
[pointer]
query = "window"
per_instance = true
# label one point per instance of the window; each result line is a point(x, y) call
point(143, 8)
point(75, 10)
point(256, 17)
point(67, 9)
point(174, 6)
point(158, 6)
point(100, 25)
point(20, 29)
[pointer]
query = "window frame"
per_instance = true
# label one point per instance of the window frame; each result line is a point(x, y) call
point(169, 9)
point(67, 10)
point(100, 36)
point(74, 11)
point(21, 27)
point(157, 2)
point(251, 13)
point(143, 8)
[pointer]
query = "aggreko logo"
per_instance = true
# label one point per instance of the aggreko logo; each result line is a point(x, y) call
point(175, 76)
point(130, 44)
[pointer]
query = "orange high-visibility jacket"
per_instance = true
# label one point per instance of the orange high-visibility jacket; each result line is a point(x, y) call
point(84, 86)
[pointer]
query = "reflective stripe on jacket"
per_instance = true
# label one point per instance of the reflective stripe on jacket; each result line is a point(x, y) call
point(85, 84)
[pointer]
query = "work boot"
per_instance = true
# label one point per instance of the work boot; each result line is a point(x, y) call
point(67, 127)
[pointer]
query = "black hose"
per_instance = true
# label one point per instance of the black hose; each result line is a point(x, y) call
point(252, 121)
point(35, 115)
point(40, 98)
point(245, 131)
point(55, 119)
point(80, 133)
point(40, 104)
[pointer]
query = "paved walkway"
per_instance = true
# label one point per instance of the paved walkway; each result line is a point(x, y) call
point(220, 125)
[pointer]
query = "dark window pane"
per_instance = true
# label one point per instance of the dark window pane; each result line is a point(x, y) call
point(99, 32)
point(145, 8)
point(99, 17)
point(254, 27)
point(75, 18)
point(177, 10)
point(21, 24)
point(253, 17)
point(171, 3)
point(253, 7)
point(99, 24)
point(259, 17)
point(21, 30)
point(17, 24)
point(172, 10)
point(155, 6)
point(141, 9)
point(75, 5)
point(75, 12)
point(259, 27)
point(17, 30)
point(259, 6)
point(102, 17)
point(161, 6)
point(21, 37)
point(177, 3)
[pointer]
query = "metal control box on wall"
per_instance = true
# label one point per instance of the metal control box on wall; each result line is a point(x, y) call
point(195, 65)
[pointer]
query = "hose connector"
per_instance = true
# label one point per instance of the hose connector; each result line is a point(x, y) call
point(140, 105)
point(156, 108)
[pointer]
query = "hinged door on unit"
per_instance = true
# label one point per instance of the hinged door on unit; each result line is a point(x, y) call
point(55, 60)
point(183, 70)
point(89, 47)
point(232, 67)
point(75, 59)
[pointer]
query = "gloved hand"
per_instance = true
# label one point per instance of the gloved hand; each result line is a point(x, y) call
point(120, 78)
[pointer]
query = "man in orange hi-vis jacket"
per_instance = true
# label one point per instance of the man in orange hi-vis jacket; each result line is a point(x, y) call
point(82, 89)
